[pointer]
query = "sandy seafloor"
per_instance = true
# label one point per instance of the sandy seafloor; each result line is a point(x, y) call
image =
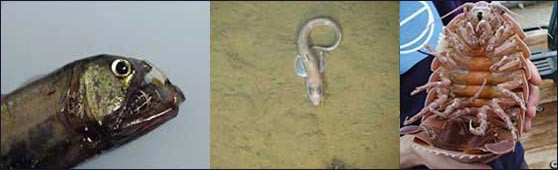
point(260, 116)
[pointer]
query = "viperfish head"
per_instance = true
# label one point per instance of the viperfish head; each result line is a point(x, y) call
point(123, 98)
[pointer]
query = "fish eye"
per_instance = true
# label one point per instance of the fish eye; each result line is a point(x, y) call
point(121, 67)
point(317, 90)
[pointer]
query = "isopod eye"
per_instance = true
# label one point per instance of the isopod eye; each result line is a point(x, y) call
point(121, 67)
point(479, 16)
point(319, 90)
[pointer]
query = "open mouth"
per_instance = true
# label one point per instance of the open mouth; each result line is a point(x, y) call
point(154, 105)
point(155, 102)
point(157, 115)
point(158, 101)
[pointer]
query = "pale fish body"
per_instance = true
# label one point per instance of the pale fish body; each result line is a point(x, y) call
point(310, 61)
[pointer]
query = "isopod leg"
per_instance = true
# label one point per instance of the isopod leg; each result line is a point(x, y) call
point(444, 82)
point(468, 35)
point(462, 112)
point(462, 102)
point(506, 89)
point(482, 118)
point(506, 48)
point(496, 40)
point(513, 63)
point(506, 62)
point(502, 33)
point(448, 62)
point(455, 104)
point(441, 57)
point(494, 67)
point(511, 45)
point(500, 112)
point(486, 31)
point(454, 40)
point(442, 97)
point(512, 27)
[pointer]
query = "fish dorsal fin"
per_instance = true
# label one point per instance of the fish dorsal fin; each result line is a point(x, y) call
point(300, 70)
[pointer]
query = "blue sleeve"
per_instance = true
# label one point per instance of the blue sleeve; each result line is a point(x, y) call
point(512, 160)
point(420, 25)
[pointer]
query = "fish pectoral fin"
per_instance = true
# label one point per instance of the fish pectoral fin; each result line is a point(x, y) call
point(322, 64)
point(300, 70)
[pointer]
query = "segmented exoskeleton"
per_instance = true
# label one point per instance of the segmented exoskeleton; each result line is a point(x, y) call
point(477, 94)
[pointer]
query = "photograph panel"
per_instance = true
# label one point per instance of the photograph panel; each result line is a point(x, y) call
point(478, 84)
point(304, 85)
point(105, 84)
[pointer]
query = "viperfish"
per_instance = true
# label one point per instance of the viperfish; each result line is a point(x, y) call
point(82, 109)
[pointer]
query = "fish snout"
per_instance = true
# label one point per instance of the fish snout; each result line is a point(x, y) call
point(157, 77)
point(178, 94)
point(315, 99)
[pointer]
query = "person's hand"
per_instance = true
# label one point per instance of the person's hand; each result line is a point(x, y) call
point(410, 157)
point(533, 100)
point(407, 158)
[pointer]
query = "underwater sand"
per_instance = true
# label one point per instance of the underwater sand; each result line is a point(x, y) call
point(260, 116)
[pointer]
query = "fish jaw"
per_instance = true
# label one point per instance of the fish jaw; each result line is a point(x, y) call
point(315, 98)
point(155, 101)
point(170, 97)
point(155, 107)
point(314, 89)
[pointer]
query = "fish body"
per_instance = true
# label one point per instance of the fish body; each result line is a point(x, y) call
point(82, 109)
point(310, 62)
